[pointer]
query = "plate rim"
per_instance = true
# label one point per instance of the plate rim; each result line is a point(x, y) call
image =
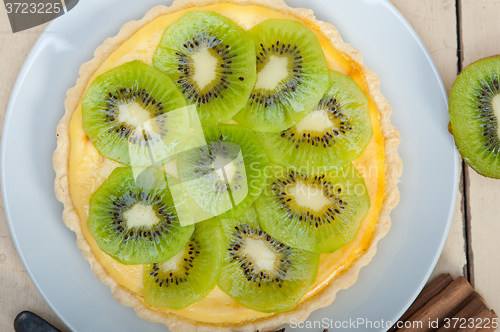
point(8, 114)
point(438, 253)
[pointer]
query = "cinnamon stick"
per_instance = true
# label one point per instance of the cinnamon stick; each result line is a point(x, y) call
point(479, 320)
point(474, 304)
point(425, 295)
point(494, 322)
point(440, 306)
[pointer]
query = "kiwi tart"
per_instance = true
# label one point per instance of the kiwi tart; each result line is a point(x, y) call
point(261, 75)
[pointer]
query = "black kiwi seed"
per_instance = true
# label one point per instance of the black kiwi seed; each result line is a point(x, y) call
point(128, 200)
point(113, 92)
point(251, 279)
point(192, 274)
point(158, 238)
point(227, 184)
point(181, 274)
point(126, 96)
point(286, 213)
point(343, 133)
point(204, 161)
point(187, 84)
point(240, 233)
point(233, 52)
point(488, 122)
point(295, 80)
point(310, 217)
point(327, 138)
point(474, 115)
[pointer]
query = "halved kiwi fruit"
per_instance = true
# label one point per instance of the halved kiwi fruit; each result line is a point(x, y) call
point(135, 225)
point(292, 76)
point(475, 115)
point(228, 174)
point(126, 114)
point(190, 275)
point(335, 133)
point(259, 271)
point(318, 213)
point(211, 60)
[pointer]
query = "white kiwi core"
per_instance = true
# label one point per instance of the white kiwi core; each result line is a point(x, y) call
point(260, 254)
point(226, 164)
point(133, 114)
point(495, 105)
point(173, 263)
point(274, 71)
point(141, 215)
point(318, 120)
point(205, 65)
point(308, 197)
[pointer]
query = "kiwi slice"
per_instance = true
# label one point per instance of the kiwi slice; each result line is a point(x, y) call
point(475, 115)
point(125, 114)
point(259, 271)
point(318, 213)
point(211, 60)
point(190, 275)
point(228, 174)
point(335, 133)
point(292, 76)
point(135, 225)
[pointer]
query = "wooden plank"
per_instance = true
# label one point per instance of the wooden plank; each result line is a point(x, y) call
point(435, 23)
point(453, 258)
point(17, 292)
point(481, 38)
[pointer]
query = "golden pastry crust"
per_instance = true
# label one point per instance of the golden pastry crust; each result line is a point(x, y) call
point(175, 323)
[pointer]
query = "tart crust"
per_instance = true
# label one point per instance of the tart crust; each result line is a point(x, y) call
point(175, 323)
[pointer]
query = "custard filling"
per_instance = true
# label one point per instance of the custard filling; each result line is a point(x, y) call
point(88, 169)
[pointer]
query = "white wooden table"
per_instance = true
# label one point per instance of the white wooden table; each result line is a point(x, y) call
point(456, 33)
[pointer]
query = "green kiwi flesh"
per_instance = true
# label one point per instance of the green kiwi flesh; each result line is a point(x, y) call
point(226, 176)
point(126, 113)
point(260, 272)
point(318, 213)
point(191, 274)
point(135, 225)
point(212, 62)
point(292, 76)
point(475, 115)
point(335, 133)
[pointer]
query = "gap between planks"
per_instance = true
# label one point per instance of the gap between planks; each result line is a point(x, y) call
point(464, 176)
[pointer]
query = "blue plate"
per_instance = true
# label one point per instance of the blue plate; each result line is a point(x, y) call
point(385, 288)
